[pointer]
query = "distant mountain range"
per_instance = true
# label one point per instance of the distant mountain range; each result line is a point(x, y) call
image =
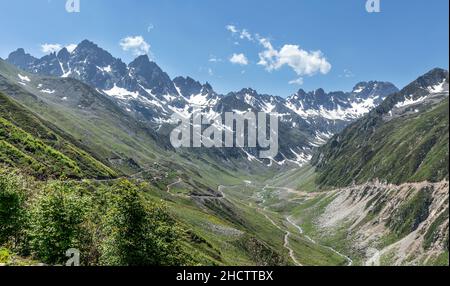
point(145, 91)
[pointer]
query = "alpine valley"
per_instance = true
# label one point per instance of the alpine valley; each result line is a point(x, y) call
point(361, 177)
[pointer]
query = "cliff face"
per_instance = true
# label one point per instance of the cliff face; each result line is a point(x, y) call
point(392, 225)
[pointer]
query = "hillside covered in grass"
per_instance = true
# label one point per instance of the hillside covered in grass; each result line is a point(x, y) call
point(29, 143)
point(393, 143)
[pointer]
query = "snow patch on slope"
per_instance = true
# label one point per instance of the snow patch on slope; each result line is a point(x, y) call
point(357, 110)
point(121, 93)
point(106, 69)
point(437, 88)
point(49, 91)
point(410, 101)
point(23, 78)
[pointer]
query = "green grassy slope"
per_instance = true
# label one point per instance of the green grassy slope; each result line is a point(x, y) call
point(302, 179)
point(27, 143)
point(392, 143)
point(87, 116)
point(406, 149)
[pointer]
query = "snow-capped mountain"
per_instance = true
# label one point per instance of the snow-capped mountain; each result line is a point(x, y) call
point(144, 90)
point(330, 112)
point(426, 91)
point(409, 124)
point(140, 86)
point(196, 93)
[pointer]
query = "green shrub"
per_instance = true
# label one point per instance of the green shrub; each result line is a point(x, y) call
point(55, 222)
point(5, 255)
point(12, 207)
point(138, 233)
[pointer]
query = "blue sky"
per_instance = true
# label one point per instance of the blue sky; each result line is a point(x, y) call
point(406, 39)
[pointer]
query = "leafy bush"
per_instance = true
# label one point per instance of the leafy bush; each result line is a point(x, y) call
point(12, 207)
point(55, 222)
point(138, 233)
point(110, 225)
point(5, 255)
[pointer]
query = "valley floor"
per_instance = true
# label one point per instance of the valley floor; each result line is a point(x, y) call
point(370, 224)
point(285, 221)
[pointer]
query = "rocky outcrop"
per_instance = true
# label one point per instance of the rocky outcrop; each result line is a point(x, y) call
point(392, 225)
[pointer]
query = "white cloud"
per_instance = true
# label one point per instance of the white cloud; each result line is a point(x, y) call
point(298, 81)
point(50, 48)
point(70, 48)
point(214, 59)
point(347, 74)
point(231, 28)
point(53, 48)
point(239, 59)
point(301, 61)
point(243, 34)
point(137, 45)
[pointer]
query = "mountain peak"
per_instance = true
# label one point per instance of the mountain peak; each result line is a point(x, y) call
point(185, 80)
point(207, 86)
point(432, 78)
point(360, 86)
point(301, 91)
point(143, 62)
point(92, 53)
point(187, 86)
point(438, 74)
point(142, 59)
point(249, 91)
point(151, 76)
point(319, 92)
point(88, 48)
point(19, 51)
point(63, 54)
point(87, 44)
point(438, 70)
point(21, 59)
point(373, 89)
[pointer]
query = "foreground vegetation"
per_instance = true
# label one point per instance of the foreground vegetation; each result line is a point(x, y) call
point(110, 225)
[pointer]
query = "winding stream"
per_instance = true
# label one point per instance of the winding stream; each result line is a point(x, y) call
point(298, 227)
point(263, 210)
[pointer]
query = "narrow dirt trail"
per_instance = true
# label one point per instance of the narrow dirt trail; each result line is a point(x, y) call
point(187, 196)
point(179, 181)
point(264, 211)
point(286, 236)
point(299, 228)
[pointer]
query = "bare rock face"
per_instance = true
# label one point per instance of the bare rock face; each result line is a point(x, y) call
point(393, 225)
